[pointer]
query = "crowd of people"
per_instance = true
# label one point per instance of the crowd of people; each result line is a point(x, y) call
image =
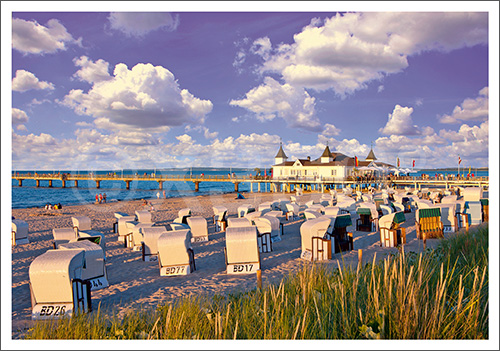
point(49, 206)
point(100, 198)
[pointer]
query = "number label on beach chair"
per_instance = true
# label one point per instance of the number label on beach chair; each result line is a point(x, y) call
point(98, 283)
point(175, 270)
point(47, 311)
point(197, 239)
point(242, 268)
point(306, 255)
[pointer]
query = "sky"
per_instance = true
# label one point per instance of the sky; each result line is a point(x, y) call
point(110, 89)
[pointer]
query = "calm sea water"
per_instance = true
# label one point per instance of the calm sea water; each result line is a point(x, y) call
point(31, 196)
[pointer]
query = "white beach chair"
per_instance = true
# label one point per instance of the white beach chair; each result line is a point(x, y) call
point(367, 198)
point(368, 217)
point(398, 206)
point(316, 243)
point(19, 232)
point(56, 285)
point(123, 229)
point(118, 215)
point(199, 228)
point(386, 209)
point(332, 211)
point(238, 222)
point(256, 214)
point(265, 205)
point(175, 254)
point(95, 237)
point(449, 199)
point(292, 211)
point(81, 223)
point(176, 226)
point(276, 228)
point(136, 238)
point(449, 216)
point(220, 218)
point(472, 194)
point(62, 236)
point(282, 205)
point(309, 203)
point(183, 214)
point(264, 230)
point(242, 251)
point(422, 203)
point(150, 242)
point(310, 214)
point(143, 216)
point(474, 211)
point(245, 209)
point(391, 235)
point(94, 269)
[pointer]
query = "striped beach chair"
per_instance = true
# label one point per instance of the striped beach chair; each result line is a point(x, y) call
point(391, 234)
point(428, 221)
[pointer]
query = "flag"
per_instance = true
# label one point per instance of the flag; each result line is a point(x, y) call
point(398, 161)
point(413, 163)
point(459, 160)
point(356, 160)
point(469, 169)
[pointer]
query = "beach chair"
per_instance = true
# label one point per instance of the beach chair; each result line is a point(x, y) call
point(199, 228)
point(368, 217)
point(316, 243)
point(118, 215)
point(332, 211)
point(19, 232)
point(243, 210)
point(94, 269)
point(309, 203)
point(238, 222)
point(347, 191)
point(175, 254)
point(338, 230)
point(134, 240)
point(150, 242)
point(276, 214)
point(424, 203)
point(448, 216)
point(391, 234)
point(274, 223)
point(81, 223)
point(292, 211)
point(62, 236)
point(95, 237)
point(265, 206)
point(449, 199)
point(56, 285)
point(486, 206)
point(428, 221)
point(367, 198)
point(311, 214)
point(398, 207)
point(183, 215)
point(474, 212)
point(386, 209)
point(462, 216)
point(472, 194)
point(176, 226)
point(255, 214)
point(143, 216)
point(317, 207)
point(242, 250)
point(264, 233)
point(283, 205)
point(123, 229)
point(220, 218)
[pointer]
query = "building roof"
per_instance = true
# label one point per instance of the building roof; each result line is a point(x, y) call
point(371, 155)
point(327, 152)
point(281, 153)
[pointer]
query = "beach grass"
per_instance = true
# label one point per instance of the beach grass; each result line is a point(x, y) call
point(437, 294)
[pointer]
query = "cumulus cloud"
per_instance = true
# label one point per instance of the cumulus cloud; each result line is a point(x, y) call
point(271, 100)
point(30, 37)
point(330, 130)
point(138, 24)
point(350, 50)
point(91, 72)
point(470, 110)
point(19, 117)
point(143, 97)
point(24, 81)
point(262, 47)
point(400, 122)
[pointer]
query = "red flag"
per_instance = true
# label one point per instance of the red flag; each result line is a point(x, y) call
point(398, 161)
point(413, 163)
point(459, 160)
point(356, 160)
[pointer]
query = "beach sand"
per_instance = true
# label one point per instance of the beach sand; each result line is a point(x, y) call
point(134, 282)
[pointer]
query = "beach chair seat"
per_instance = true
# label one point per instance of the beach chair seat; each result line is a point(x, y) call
point(485, 204)
point(199, 228)
point(343, 240)
point(311, 214)
point(62, 236)
point(242, 250)
point(220, 218)
point(56, 285)
point(243, 210)
point(183, 215)
point(428, 221)
point(19, 232)
point(316, 243)
point(175, 254)
point(391, 234)
point(94, 269)
point(150, 242)
point(368, 217)
point(238, 222)
point(292, 211)
point(123, 229)
point(118, 215)
point(81, 223)
point(143, 216)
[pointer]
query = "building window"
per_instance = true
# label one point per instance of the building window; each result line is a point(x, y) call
point(334, 172)
point(305, 172)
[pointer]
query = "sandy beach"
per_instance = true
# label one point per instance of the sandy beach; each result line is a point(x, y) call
point(134, 282)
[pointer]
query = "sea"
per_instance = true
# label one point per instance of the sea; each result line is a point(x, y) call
point(29, 195)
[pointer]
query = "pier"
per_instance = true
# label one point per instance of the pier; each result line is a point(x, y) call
point(259, 184)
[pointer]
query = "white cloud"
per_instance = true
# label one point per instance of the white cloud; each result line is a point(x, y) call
point(470, 110)
point(330, 130)
point(262, 47)
point(380, 89)
point(271, 100)
point(91, 72)
point(24, 81)
point(19, 117)
point(139, 24)
point(30, 37)
point(144, 97)
point(353, 49)
point(400, 122)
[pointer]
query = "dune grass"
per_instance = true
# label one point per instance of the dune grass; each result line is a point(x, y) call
point(438, 294)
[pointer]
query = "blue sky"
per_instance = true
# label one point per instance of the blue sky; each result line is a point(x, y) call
point(111, 90)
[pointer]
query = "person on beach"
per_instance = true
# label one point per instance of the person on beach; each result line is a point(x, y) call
point(164, 194)
point(100, 198)
point(104, 197)
point(158, 195)
point(96, 198)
